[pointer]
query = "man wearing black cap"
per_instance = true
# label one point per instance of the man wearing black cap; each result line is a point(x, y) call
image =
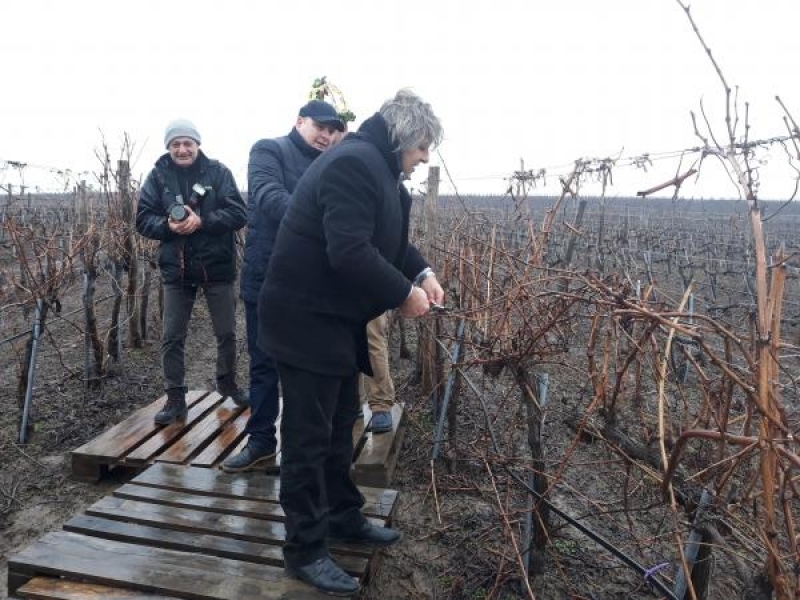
point(273, 170)
point(190, 203)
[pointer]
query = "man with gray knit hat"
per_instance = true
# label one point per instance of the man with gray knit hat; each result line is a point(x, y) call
point(191, 204)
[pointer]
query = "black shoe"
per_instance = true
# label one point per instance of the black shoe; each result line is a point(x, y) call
point(368, 534)
point(174, 409)
point(240, 397)
point(326, 576)
point(249, 460)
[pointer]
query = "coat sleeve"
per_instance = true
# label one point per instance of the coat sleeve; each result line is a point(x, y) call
point(266, 185)
point(151, 217)
point(230, 211)
point(413, 264)
point(347, 195)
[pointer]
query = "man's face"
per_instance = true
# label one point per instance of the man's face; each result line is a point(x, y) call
point(409, 159)
point(183, 151)
point(316, 135)
point(337, 136)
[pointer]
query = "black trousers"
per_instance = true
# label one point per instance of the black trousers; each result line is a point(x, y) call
point(317, 493)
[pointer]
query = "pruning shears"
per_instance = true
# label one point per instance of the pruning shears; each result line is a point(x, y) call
point(439, 309)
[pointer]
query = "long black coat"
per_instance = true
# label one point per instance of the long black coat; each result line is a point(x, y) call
point(341, 257)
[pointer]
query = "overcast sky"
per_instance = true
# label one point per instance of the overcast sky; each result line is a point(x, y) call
point(546, 82)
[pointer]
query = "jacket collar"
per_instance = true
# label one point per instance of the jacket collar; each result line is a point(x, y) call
point(376, 131)
point(302, 145)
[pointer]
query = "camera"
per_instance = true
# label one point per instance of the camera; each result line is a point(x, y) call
point(178, 212)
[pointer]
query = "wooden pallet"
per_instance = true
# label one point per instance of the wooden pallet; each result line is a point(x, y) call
point(214, 430)
point(178, 531)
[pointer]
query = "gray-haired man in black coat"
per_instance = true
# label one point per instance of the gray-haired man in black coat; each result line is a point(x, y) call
point(341, 258)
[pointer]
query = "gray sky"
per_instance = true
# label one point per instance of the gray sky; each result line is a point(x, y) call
point(547, 82)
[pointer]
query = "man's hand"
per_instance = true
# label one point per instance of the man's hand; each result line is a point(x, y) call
point(416, 304)
point(188, 226)
point(434, 291)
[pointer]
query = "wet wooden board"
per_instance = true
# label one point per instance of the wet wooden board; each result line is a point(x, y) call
point(214, 430)
point(377, 458)
point(220, 446)
point(154, 570)
point(49, 588)
point(241, 487)
point(185, 532)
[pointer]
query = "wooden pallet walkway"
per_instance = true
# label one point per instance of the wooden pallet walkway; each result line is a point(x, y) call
point(178, 531)
point(214, 430)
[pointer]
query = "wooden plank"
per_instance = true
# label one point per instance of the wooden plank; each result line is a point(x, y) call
point(156, 570)
point(171, 435)
point(378, 457)
point(125, 436)
point(221, 446)
point(215, 545)
point(253, 486)
point(197, 437)
point(233, 526)
point(218, 504)
point(50, 588)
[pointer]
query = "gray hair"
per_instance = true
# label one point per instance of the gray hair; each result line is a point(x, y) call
point(411, 121)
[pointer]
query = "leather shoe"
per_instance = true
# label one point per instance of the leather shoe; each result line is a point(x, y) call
point(326, 576)
point(241, 398)
point(174, 409)
point(381, 422)
point(249, 459)
point(368, 534)
point(228, 389)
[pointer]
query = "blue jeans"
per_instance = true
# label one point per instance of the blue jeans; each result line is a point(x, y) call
point(264, 395)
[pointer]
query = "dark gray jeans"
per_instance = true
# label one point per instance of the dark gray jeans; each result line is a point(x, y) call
point(178, 303)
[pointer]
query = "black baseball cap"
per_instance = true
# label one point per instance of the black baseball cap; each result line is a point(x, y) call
point(322, 112)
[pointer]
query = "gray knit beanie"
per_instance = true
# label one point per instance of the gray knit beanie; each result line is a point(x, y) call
point(180, 128)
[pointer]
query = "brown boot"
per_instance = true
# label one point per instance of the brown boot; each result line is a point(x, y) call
point(174, 409)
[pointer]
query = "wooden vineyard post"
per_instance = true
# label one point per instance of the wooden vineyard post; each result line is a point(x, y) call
point(129, 254)
point(427, 335)
point(82, 208)
point(534, 396)
point(31, 354)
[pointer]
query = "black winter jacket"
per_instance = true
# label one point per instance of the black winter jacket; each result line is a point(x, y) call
point(274, 168)
point(341, 257)
point(209, 254)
